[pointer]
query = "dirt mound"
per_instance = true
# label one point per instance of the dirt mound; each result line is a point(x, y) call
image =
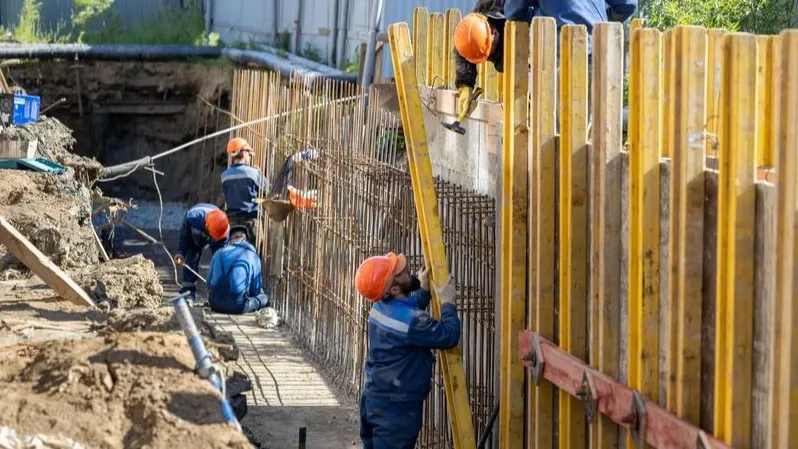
point(126, 283)
point(55, 142)
point(128, 390)
point(53, 212)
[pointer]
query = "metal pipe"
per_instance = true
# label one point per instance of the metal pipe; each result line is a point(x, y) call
point(205, 367)
point(276, 29)
point(375, 16)
point(298, 37)
point(343, 24)
point(332, 41)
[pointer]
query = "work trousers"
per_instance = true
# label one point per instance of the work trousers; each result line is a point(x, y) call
point(239, 306)
point(518, 10)
point(192, 260)
point(388, 424)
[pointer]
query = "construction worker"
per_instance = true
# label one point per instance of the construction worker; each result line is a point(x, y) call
point(241, 184)
point(203, 225)
point(401, 334)
point(478, 36)
point(235, 285)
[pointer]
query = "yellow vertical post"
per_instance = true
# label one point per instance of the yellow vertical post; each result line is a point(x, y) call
point(714, 39)
point(574, 249)
point(689, 71)
point(452, 19)
point(765, 99)
point(669, 56)
point(543, 176)
point(785, 391)
point(482, 75)
point(420, 43)
point(736, 247)
point(644, 213)
point(435, 50)
point(514, 205)
point(636, 24)
point(605, 214)
point(429, 225)
point(492, 78)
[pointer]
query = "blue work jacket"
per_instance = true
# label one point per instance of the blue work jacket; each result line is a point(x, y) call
point(241, 184)
point(193, 234)
point(234, 275)
point(401, 337)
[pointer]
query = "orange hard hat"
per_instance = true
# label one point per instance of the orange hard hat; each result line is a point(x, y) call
point(237, 144)
point(473, 38)
point(217, 225)
point(375, 275)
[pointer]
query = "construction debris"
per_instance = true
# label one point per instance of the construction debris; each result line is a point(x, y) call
point(125, 390)
point(124, 283)
point(24, 250)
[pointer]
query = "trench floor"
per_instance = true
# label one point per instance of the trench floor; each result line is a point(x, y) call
point(289, 391)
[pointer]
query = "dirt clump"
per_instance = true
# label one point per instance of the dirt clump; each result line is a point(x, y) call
point(125, 283)
point(126, 390)
point(53, 212)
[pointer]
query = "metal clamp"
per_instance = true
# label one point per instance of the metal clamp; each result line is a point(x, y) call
point(702, 441)
point(637, 420)
point(588, 395)
point(536, 359)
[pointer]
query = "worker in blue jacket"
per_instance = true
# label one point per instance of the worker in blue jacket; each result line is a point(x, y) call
point(235, 285)
point(203, 225)
point(402, 335)
point(241, 185)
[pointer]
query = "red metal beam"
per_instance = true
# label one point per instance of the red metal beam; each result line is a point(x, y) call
point(614, 399)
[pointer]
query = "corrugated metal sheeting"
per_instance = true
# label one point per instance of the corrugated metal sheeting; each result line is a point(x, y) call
point(56, 13)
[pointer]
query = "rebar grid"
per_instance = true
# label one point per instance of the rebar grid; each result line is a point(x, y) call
point(365, 207)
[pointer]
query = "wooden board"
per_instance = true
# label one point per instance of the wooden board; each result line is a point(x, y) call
point(41, 265)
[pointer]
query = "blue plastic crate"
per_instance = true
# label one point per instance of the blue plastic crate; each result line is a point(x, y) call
point(19, 109)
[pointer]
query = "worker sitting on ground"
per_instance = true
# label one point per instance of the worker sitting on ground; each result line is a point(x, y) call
point(203, 225)
point(401, 336)
point(241, 184)
point(479, 35)
point(235, 285)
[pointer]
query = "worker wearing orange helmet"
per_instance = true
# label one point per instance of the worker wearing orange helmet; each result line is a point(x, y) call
point(203, 225)
point(402, 335)
point(241, 184)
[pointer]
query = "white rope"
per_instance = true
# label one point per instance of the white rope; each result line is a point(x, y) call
point(160, 228)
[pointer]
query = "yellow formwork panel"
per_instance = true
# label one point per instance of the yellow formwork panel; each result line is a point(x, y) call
point(435, 51)
point(785, 393)
point(452, 19)
point(492, 81)
point(543, 209)
point(605, 220)
point(429, 225)
point(669, 56)
point(574, 227)
point(688, 74)
point(714, 40)
point(644, 212)
point(766, 105)
point(420, 43)
point(736, 242)
point(514, 207)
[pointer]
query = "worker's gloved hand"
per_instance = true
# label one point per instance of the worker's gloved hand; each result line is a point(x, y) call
point(179, 259)
point(448, 293)
point(423, 278)
point(464, 101)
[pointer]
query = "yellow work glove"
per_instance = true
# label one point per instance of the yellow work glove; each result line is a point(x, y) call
point(463, 102)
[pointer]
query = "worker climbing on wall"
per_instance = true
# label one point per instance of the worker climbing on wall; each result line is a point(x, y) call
point(235, 285)
point(283, 196)
point(203, 225)
point(402, 335)
point(241, 184)
point(479, 35)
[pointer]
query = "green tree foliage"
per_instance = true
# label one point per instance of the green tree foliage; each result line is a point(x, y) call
point(754, 16)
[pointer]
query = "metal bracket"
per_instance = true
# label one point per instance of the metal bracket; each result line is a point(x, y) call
point(588, 395)
point(702, 441)
point(537, 360)
point(637, 425)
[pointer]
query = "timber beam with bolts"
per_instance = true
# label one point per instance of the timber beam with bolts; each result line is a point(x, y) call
point(648, 422)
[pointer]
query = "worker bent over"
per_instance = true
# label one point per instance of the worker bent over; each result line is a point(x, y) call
point(401, 334)
point(241, 184)
point(235, 285)
point(203, 225)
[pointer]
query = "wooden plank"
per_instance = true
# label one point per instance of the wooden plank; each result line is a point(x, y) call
point(425, 198)
point(543, 208)
point(736, 246)
point(574, 226)
point(41, 265)
point(436, 51)
point(449, 66)
point(420, 33)
point(683, 387)
point(514, 200)
point(605, 213)
point(644, 213)
point(765, 110)
point(714, 40)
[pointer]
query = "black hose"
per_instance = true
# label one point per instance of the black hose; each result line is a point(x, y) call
point(489, 428)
